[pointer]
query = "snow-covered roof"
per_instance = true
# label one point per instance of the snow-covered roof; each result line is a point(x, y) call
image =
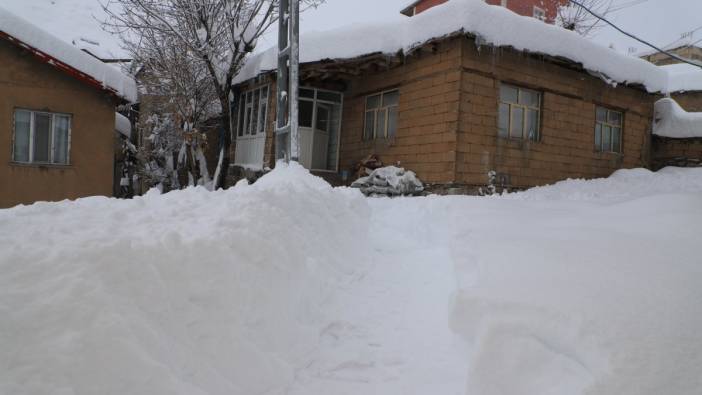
point(683, 77)
point(671, 120)
point(65, 56)
point(122, 125)
point(495, 25)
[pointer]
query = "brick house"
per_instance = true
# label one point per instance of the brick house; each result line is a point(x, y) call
point(57, 117)
point(545, 10)
point(456, 107)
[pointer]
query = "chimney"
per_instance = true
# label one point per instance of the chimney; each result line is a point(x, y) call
point(420, 6)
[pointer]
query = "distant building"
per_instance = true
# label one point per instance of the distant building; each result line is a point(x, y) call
point(546, 10)
point(691, 52)
point(57, 117)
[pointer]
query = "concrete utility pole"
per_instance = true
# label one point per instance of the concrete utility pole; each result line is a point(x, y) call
point(287, 141)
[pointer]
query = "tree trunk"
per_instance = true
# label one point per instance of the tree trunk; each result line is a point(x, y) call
point(225, 142)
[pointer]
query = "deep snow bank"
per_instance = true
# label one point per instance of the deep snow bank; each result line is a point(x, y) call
point(191, 292)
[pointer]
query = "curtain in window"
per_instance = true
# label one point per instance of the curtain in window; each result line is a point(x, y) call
point(42, 137)
point(21, 143)
point(61, 139)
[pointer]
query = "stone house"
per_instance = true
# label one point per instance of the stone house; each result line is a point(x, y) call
point(466, 101)
point(57, 117)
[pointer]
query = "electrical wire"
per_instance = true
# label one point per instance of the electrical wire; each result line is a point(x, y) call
point(620, 30)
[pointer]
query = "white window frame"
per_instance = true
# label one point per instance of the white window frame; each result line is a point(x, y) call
point(539, 13)
point(315, 100)
point(377, 110)
point(525, 109)
point(242, 128)
point(32, 114)
point(606, 123)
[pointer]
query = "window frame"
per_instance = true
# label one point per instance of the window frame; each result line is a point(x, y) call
point(538, 13)
point(375, 111)
point(315, 100)
point(243, 124)
point(612, 126)
point(525, 111)
point(51, 148)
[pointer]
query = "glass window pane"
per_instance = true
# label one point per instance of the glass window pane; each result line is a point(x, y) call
point(61, 126)
point(261, 127)
point(528, 98)
point(392, 121)
point(308, 93)
point(372, 102)
point(254, 108)
point(380, 130)
point(601, 114)
point(606, 139)
point(391, 98)
point(305, 113)
point(323, 117)
point(509, 94)
point(264, 93)
point(598, 136)
point(615, 118)
point(329, 96)
point(21, 144)
point(241, 116)
point(517, 123)
point(42, 135)
point(532, 125)
point(249, 96)
point(247, 121)
point(616, 140)
point(503, 121)
point(369, 124)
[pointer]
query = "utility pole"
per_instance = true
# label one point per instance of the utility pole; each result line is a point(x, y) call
point(287, 140)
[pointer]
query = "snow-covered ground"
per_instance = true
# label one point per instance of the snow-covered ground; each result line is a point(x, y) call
point(289, 286)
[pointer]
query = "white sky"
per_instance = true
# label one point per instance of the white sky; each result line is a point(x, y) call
point(660, 21)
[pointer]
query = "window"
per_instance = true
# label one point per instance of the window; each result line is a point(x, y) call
point(608, 130)
point(519, 113)
point(253, 112)
point(539, 13)
point(381, 115)
point(41, 137)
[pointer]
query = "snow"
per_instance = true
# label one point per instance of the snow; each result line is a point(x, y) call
point(39, 39)
point(683, 77)
point(289, 286)
point(77, 22)
point(389, 181)
point(493, 24)
point(671, 120)
point(122, 125)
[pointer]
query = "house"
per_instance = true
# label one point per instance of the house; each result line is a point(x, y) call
point(57, 117)
point(545, 10)
point(687, 51)
point(454, 93)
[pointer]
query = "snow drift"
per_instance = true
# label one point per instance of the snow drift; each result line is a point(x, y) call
point(192, 292)
point(671, 120)
point(291, 287)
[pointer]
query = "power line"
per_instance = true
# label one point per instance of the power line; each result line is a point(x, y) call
point(627, 5)
point(617, 28)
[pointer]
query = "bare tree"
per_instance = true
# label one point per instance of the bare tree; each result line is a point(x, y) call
point(217, 34)
point(576, 18)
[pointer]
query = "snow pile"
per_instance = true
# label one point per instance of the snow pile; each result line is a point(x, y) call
point(683, 77)
point(123, 125)
point(38, 39)
point(580, 288)
point(192, 292)
point(671, 120)
point(494, 25)
point(389, 181)
point(623, 185)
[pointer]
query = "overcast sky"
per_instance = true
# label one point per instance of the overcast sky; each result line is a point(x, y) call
point(659, 21)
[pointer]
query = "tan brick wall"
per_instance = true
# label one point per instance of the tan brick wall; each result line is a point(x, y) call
point(428, 115)
point(30, 84)
point(679, 152)
point(569, 98)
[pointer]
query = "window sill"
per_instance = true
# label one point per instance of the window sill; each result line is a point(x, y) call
point(518, 140)
point(41, 165)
